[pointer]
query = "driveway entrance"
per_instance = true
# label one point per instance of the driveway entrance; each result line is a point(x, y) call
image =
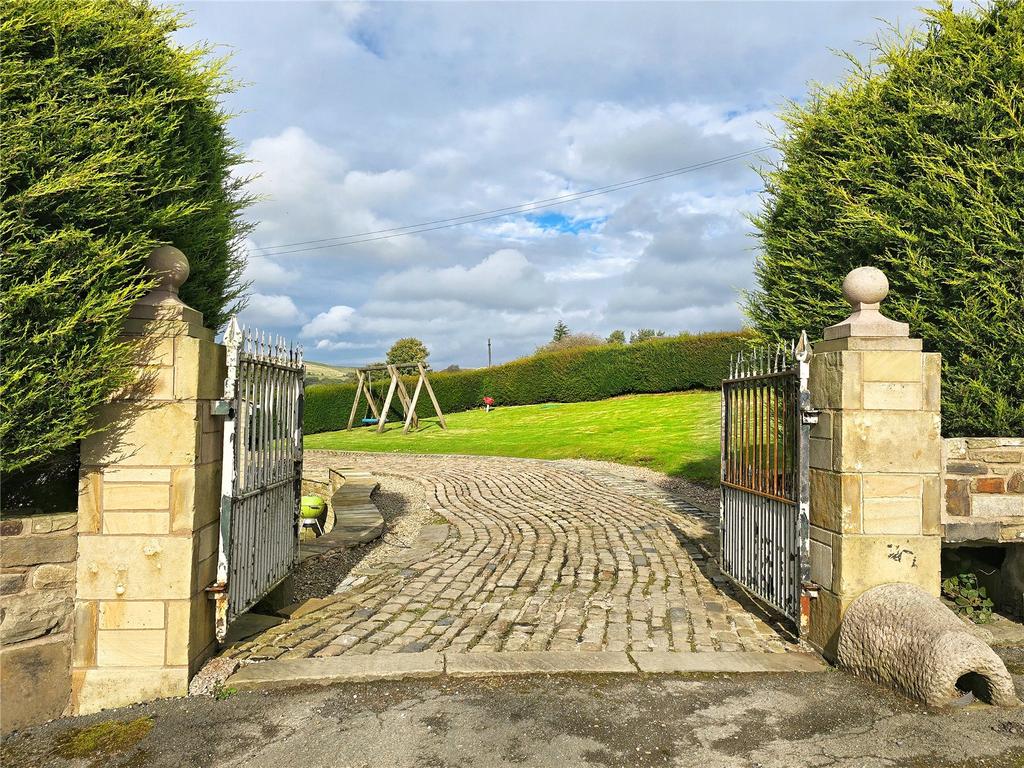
point(539, 556)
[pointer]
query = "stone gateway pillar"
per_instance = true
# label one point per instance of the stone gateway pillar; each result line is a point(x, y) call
point(875, 459)
point(149, 510)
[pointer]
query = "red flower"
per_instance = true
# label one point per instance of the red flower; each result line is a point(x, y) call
point(488, 401)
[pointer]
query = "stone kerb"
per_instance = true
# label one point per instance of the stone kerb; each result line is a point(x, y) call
point(875, 459)
point(149, 510)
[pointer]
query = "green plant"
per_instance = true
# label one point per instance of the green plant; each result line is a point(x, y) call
point(222, 692)
point(641, 335)
point(561, 331)
point(671, 364)
point(114, 142)
point(571, 341)
point(616, 337)
point(914, 165)
point(968, 598)
point(408, 350)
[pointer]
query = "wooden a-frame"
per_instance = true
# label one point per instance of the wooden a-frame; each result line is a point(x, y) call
point(397, 386)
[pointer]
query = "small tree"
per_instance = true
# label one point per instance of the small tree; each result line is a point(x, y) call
point(616, 337)
point(644, 334)
point(913, 165)
point(408, 351)
point(561, 331)
point(114, 141)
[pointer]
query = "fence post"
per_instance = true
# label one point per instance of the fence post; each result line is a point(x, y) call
point(149, 508)
point(875, 459)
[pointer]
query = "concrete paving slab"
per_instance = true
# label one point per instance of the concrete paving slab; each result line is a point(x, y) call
point(337, 669)
point(536, 663)
point(659, 662)
point(249, 624)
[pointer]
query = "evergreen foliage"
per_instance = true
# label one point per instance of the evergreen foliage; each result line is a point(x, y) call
point(113, 142)
point(914, 165)
point(671, 364)
point(641, 335)
point(616, 337)
point(561, 331)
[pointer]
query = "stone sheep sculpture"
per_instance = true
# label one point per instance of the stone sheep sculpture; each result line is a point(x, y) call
point(901, 636)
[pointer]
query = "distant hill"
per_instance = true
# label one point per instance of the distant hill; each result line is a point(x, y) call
point(322, 373)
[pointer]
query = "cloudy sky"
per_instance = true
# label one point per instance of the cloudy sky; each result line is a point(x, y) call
point(362, 117)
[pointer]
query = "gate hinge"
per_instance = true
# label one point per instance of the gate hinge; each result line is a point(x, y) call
point(809, 416)
point(222, 408)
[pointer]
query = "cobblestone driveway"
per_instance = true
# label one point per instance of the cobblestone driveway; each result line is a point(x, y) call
point(540, 556)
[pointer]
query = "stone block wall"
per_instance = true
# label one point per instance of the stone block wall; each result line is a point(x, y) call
point(983, 492)
point(37, 600)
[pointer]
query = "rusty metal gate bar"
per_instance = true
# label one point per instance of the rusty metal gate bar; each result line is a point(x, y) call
point(764, 515)
point(262, 471)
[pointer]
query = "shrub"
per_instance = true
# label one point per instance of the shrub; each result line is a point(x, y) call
point(672, 364)
point(914, 165)
point(571, 341)
point(114, 142)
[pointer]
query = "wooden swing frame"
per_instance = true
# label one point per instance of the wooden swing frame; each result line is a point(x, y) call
point(397, 386)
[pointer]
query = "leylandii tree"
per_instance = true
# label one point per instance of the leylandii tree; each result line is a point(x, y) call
point(114, 141)
point(915, 165)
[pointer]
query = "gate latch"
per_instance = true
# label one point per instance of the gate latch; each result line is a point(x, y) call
point(809, 416)
point(221, 408)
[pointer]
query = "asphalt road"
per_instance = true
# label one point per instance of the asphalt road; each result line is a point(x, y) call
point(711, 721)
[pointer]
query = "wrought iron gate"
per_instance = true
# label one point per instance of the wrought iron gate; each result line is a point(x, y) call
point(764, 520)
point(262, 471)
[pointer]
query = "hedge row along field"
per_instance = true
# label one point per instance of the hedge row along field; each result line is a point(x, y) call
point(673, 364)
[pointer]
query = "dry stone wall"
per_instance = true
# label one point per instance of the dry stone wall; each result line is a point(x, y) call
point(37, 600)
point(984, 490)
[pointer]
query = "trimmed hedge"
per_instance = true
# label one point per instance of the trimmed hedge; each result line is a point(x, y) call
point(673, 364)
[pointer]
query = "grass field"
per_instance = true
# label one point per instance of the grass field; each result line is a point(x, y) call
point(676, 433)
point(322, 373)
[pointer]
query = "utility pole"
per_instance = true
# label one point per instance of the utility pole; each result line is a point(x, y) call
point(488, 353)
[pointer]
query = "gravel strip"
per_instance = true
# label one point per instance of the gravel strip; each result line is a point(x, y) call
point(402, 503)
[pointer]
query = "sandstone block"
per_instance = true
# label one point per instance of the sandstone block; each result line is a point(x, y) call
point(893, 396)
point(54, 523)
point(37, 682)
point(137, 474)
point(96, 689)
point(131, 614)
point(835, 501)
point(135, 567)
point(33, 550)
point(867, 561)
point(136, 522)
point(84, 650)
point(958, 497)
point(130, 648)
point(835, 380)
point(131, 442)
point(27, 615)
point(997, 505)
point(966, 468)
point(53, 576)
point(990, 485)
point(893, 515)
point(135, 496)
point(11, 527)
point(12, 582)
point(892, 366)
point(889, 486)
point(887, 442)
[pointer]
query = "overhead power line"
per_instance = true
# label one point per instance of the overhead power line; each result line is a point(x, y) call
point(497, 213)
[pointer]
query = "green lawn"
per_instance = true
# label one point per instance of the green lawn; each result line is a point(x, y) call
point(676, 433)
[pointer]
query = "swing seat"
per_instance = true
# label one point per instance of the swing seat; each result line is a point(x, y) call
point(369, 422)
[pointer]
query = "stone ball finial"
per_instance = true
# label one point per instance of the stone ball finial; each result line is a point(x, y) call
point(170, 266)
point(865, 285)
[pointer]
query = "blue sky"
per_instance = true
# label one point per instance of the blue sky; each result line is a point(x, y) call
point(360, 117)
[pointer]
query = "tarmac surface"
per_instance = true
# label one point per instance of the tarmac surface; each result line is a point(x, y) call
point(786, 720)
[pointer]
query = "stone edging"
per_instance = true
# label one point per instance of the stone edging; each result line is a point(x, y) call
point(408, 666)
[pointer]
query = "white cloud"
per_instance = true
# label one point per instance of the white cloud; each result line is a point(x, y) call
point(334, 322)
point(271, 309)
point(369, 117)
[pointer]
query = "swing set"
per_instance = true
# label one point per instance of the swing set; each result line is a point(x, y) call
point(364, 386)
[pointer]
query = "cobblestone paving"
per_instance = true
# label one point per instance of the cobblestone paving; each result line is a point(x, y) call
point(541, 557)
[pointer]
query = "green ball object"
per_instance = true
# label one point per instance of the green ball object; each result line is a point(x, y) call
point(311, 507)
